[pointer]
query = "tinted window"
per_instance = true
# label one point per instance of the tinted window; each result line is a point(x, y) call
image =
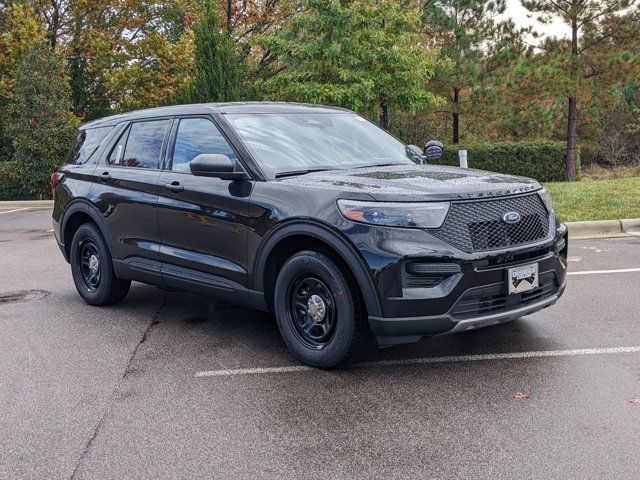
point(115, 158)
point(87, 143)
point(140, 146)
point(197, 136)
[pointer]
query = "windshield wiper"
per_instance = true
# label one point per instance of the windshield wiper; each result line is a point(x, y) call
point(371, 165)
point(293, 173)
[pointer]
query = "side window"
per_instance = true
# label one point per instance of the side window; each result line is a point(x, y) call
point(140, 146)
point(87, 143)
point(197, 136)
point(117, 153)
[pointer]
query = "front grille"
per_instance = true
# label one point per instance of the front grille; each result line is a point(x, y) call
point(478, 226)
point(505, 260)
point(492, 299)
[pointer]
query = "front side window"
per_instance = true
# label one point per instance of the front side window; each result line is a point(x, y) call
point(140, 146)
point(197, 136)
point(295, 141)
point(87, 143)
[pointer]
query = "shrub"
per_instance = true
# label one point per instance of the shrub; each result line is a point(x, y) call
point(542, 160)
point(590, 153)
point(11, 185)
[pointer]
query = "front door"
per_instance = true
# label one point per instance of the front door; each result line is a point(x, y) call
point(203, 221)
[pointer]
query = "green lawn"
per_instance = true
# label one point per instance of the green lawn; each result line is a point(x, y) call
point(596, 200)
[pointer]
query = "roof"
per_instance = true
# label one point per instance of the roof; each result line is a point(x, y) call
point(208, 108)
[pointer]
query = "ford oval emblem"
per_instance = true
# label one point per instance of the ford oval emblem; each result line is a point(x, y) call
point(511, 217)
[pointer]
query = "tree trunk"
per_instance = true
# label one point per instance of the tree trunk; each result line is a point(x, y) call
point(229, 16)
point(384, 116)
point(54, 26)
point(572, 118)
point(572, 138)
point(456, 115)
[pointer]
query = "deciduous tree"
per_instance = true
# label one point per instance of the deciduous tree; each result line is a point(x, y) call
point(362, 54)
point(41, 124)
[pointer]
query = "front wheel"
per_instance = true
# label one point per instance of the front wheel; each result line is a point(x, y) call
point(92, 268)
point(318, 310)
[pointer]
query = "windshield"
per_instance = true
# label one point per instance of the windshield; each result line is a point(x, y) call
point(290, 142)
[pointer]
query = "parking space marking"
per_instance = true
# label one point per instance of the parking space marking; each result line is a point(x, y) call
point(427, 360)
point(598, 272)
point(16, 210)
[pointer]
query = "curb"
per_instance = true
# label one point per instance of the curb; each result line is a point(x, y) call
point(27, 204)
point(604, 228)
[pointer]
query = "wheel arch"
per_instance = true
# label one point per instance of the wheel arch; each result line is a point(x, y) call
point(285, 240)
point(76, 214)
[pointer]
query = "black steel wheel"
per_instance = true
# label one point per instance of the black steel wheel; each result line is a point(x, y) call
point(92, 268)
point(89, 260)
point(318, 310)
point(312, 311)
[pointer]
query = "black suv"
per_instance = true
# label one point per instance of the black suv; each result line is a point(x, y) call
point(310, 212)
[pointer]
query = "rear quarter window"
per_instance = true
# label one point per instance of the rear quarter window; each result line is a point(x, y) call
point(87, 142)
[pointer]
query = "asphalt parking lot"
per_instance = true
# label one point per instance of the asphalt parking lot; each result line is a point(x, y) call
point(170, 385)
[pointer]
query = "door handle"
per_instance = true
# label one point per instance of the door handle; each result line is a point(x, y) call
point(105, 177)
point(175, 187)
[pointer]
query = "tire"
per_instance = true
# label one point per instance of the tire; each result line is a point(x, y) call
point(318, 310)
point(92, 268)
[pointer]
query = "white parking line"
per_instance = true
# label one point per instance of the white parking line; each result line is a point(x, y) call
point(426, 360)
point(598, 272)
point(16, 210)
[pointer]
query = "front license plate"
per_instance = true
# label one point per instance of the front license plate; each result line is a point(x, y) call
point(523, 279)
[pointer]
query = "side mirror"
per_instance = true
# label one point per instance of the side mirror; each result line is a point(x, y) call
point(433, 150)
point(215, 165)
point(416, 151)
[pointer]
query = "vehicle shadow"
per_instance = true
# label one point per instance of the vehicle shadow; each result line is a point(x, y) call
point(219, 326)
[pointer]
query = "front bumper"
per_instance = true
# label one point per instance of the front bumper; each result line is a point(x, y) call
point(394, 331)
point(475, 297)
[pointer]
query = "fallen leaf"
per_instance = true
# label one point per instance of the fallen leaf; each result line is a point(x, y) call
point(520, 395)
point(635, 400)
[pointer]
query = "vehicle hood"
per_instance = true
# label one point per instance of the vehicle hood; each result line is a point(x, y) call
point(415, 183)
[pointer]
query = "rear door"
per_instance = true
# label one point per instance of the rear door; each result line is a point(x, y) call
point(203, 221)
point(126, 192)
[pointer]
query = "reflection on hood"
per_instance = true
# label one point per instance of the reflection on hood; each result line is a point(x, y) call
point(415, 182)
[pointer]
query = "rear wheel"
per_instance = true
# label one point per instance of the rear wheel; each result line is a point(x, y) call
point(318, 310)
point(92, 268)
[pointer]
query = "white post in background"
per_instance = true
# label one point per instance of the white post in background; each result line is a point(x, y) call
point(462, 155)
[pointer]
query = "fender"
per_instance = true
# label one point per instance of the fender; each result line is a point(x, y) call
point(84, 206)
point(332, 238)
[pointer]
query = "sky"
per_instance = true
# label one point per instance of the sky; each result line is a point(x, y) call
point(518, 13)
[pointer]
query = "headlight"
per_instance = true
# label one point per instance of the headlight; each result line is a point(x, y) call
point(545, 196)
point(395, 214)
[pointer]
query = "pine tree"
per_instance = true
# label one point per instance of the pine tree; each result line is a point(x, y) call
point(219, 71)
point(581, 16)
point(474, 42)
